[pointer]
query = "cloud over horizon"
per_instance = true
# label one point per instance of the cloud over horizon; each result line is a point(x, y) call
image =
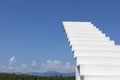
point(48, 65)
point(34, 63)
point(12, 60)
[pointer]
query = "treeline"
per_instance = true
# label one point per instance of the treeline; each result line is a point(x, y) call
point(6, 76)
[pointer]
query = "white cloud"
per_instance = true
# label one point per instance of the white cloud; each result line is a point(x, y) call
point(69, 67)
point(24, 66)
point(11, 67)
point(34, 63)
point(3, 66)
point(51, 64)
point(55, 65)
point(12, 64)
point(12, 60)
point(48, 65)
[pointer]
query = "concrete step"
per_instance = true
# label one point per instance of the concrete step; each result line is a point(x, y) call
point(78, 32)
point(101, 78)
point(80, 27)
point(103, 36)
point(67, 24)
point(74, 39)
point(86, 35)
point(93, 47)
point(94, 70)
point(93, 60)
point(91, 43)
point(88, 39)
point(118, 46)
point(82, 30)
point(96, 53)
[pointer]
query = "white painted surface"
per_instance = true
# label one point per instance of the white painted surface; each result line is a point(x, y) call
point(97, 53)
point(94, 42)
point(99, 70)
point(77, 73)
point(101, 78)
point(97, 57)
point(90, 60)
point(88, 39)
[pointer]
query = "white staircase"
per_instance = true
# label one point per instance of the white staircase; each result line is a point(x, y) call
point(97, 57)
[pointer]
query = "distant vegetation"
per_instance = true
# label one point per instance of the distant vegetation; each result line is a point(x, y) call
point(6, 76)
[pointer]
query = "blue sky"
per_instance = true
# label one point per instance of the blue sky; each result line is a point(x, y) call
point(32, 37)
